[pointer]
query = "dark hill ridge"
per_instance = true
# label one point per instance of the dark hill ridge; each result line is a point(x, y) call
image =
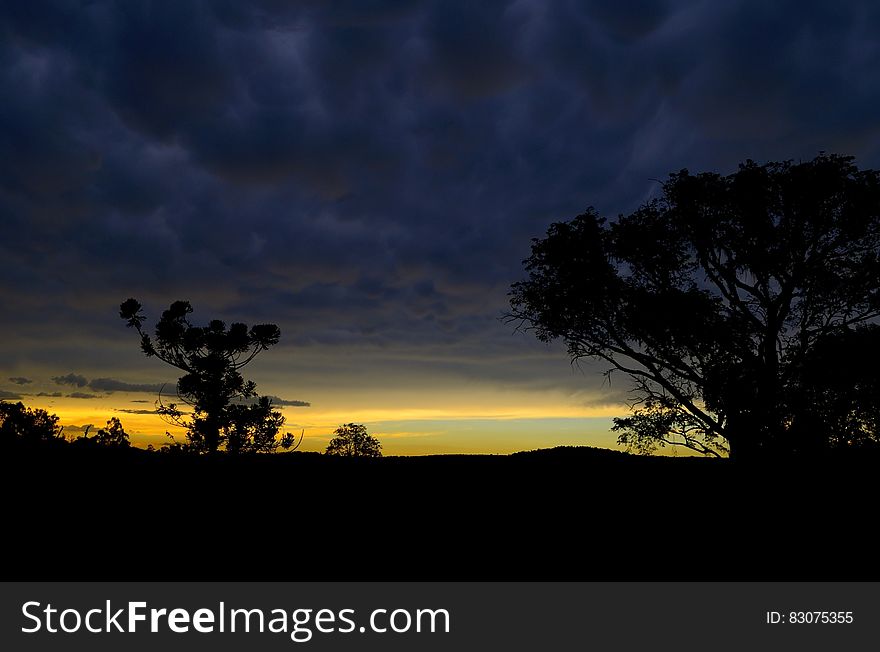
point(563, 513)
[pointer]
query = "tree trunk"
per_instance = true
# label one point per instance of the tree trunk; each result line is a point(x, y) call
point(744, 438)
point(212, 434)
point(743, 448)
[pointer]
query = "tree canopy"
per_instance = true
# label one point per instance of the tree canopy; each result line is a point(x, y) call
point(113, 436)
point(742, 307)
point(226, 412)
point(28, 425)
point(352, 440)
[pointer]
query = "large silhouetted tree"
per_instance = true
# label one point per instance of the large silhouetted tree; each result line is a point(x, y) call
point(226, 411)
point(352, 440)
point(741, 306)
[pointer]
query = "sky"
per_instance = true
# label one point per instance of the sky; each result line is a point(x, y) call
point(368, 176)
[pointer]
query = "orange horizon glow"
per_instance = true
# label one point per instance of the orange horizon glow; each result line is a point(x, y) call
point(488, 422)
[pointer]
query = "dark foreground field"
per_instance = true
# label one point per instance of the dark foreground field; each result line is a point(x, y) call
point(560, 514)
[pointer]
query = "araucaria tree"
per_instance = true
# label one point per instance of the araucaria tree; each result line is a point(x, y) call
point(735, 304)
point(226, 411)
point(352, 440)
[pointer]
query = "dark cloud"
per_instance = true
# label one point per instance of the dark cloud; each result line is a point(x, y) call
point(83, 395)
point(166, 70)
point(276, 401)
point(475, 47)
point(131, 411)
point(106, 384)
point(20, 380)
point(627, 20)
point(71, 379)
point(50, 394)
point(7, 395)
point(112, 385)
point(284, 402)
point(368, 175)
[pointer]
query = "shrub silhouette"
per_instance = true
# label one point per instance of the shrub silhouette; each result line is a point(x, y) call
point(718, 299)
point(113, 436)
point(352, 440)
point(20, 424)
point(226, 410)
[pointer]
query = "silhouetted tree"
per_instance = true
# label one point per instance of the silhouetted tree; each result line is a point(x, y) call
point(226, 411)
point(836, 396)
point(352, 440)
point(722, 300)
point(30, 426)
point(113, 435)
point(255, 428)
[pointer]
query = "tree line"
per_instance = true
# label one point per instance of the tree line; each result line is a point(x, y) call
point(37, 428)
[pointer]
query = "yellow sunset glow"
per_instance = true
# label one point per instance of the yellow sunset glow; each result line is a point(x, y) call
point(451, 421)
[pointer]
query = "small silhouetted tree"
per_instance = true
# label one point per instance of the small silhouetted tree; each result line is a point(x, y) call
point(352, 440)
point(113, 435)
point(727, 301)
point(226, 410)
point(26, 425)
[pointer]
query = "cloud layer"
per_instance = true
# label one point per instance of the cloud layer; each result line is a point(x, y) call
point(369, 177)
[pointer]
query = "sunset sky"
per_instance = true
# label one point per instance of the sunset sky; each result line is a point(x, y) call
point(368, 176)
